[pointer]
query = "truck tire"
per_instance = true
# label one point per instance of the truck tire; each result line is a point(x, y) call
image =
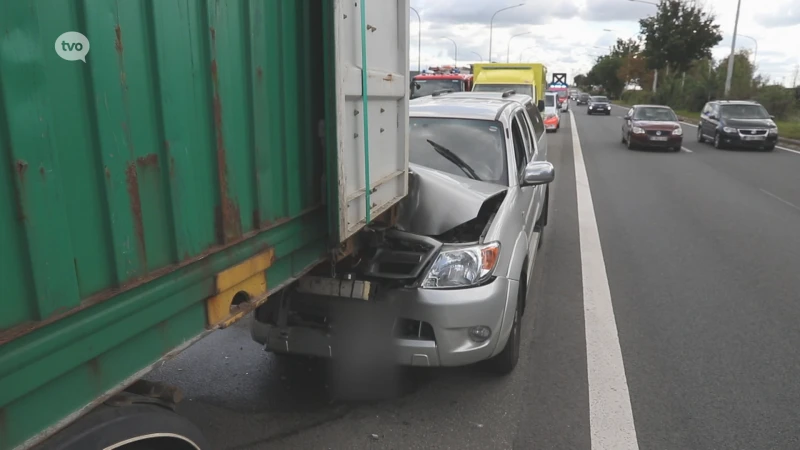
point(108, 426)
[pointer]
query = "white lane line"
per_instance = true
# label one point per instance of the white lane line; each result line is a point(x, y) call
point(610, 415)
point(785, 202)
point(686, 150)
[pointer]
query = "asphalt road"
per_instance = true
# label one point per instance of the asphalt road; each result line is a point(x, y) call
point(696, 262)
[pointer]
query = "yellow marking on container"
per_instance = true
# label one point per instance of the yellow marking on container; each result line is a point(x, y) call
point(248, 277)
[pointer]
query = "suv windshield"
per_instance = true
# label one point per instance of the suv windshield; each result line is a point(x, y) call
point(584, 96)
point(599, 99)
point(519, 88)
point(655, 114)
point(479, 144)
point(743, 112)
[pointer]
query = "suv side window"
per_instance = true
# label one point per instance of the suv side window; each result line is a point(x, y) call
point(706, 109)
point(536, 119)
point(521, 138)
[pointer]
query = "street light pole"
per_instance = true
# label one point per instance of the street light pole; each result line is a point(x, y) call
point(456, 47)
point(480, 58)
point(729, 77)
point(655, 72)
point(419, 41)
point(491, 26)
point(508, 51)
point(755, 54)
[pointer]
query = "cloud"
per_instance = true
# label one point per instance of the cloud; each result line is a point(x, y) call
point(780, 15)
point(615, 10)
point(460, 12)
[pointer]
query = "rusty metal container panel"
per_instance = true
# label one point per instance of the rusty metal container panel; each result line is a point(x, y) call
point(191, 126)
point(187, 144)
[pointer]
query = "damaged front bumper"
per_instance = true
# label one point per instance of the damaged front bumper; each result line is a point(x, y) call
point(430, 327)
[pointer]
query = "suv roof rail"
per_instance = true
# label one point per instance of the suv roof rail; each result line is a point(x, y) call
point(509, 93)
point(441, 91)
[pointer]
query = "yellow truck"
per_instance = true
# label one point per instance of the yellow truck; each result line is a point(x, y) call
point(524, 78)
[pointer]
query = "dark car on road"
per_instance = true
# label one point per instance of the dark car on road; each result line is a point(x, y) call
point(737, 124)
point(599, 105)
point(652, 126)
point(583, 98)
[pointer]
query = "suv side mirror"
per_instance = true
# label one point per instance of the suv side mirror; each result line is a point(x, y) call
point(712, 116)
point(537, 173)
point(772, 117)
point(540, 105)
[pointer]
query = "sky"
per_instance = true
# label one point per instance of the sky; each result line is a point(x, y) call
point(566, 35)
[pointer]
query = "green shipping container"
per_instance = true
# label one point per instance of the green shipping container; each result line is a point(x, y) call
point(176, 172)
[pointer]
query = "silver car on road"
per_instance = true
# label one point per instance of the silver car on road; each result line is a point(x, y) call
point(455, 267)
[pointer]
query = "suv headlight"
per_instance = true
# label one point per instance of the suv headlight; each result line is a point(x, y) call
point(773, 131)
point(637, 130)
point(729, 129)
point(462, 266)
point(677, 131)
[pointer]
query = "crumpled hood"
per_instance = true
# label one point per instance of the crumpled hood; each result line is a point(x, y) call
point(438, 201)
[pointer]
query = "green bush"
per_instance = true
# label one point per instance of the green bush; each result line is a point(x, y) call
point(637, 97)
point(778, 100)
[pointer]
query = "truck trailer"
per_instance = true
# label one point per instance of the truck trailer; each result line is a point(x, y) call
point(193, 160)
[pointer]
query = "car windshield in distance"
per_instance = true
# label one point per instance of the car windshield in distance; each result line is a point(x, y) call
point(428, 87)
point(523, 89)
point(549, 100)
point(743, 112)
point(600, 99)
point(655, 114)
point(478, 147)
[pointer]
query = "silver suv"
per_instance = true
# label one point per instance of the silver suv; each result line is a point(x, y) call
point(455, 268)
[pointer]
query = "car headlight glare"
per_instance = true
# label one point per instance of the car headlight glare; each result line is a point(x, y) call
point(462, 266)
point(678, 131)
point(637, 130)
point(729, 129)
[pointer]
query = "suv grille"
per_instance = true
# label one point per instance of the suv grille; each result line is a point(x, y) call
point(752, 132)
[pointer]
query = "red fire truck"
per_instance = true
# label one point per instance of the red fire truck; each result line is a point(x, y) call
point(440, 79)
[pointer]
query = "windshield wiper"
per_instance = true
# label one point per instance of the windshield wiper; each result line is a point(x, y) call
point(453, 158)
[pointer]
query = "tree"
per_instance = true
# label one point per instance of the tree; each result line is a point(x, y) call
point(634, 71)
point(743, 86)
point(624, 48)
point(680, 33)
point(604, 73)
point(579, 80)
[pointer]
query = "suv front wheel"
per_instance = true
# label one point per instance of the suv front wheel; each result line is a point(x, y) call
point(700, 137)
point(718, 141)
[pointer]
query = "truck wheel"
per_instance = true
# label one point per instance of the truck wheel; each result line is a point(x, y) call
point(505, 362)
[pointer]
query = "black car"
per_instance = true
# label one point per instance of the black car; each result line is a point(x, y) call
point(599, 105)
point(737, 124)
point(583, 99)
